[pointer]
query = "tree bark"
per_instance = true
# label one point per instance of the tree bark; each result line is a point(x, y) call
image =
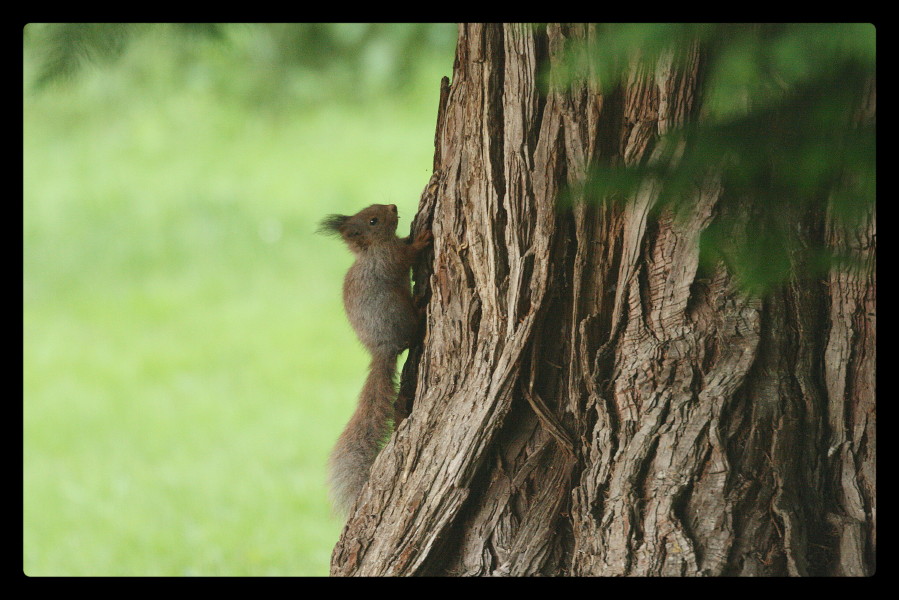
point(588, 400)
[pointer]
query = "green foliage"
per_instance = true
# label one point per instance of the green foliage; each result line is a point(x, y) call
point(279, 63)
point(782, 122)
point(186, 362)
point(64, 47)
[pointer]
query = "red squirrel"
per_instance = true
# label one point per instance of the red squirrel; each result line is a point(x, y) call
point(379, 306)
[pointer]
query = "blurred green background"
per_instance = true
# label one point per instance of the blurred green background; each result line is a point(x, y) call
point(186, 362)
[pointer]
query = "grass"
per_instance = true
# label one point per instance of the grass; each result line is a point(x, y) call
point(186, 362)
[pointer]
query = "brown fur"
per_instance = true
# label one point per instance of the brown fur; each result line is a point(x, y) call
point(379, 306)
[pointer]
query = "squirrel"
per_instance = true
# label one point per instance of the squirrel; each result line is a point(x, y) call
point(379, 306)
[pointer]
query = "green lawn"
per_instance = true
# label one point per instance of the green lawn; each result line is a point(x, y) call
point(187, 363)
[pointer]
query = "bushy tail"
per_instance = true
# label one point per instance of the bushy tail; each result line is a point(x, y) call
point(358, 445)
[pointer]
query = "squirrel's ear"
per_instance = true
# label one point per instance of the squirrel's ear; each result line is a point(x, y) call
point(332, 224)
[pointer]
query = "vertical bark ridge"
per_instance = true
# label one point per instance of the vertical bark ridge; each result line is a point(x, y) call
point(850, 356)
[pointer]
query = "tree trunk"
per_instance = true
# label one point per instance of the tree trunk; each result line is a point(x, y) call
point(587, 399)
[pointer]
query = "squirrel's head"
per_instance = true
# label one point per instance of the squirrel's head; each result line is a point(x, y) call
point(371, 225)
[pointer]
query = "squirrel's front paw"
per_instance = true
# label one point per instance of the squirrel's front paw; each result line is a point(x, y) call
point(424, 238)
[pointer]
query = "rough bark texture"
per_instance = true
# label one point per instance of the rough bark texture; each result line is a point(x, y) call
point(586, 401)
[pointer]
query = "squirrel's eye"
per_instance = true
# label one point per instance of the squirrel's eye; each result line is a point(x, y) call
point(374, 221)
